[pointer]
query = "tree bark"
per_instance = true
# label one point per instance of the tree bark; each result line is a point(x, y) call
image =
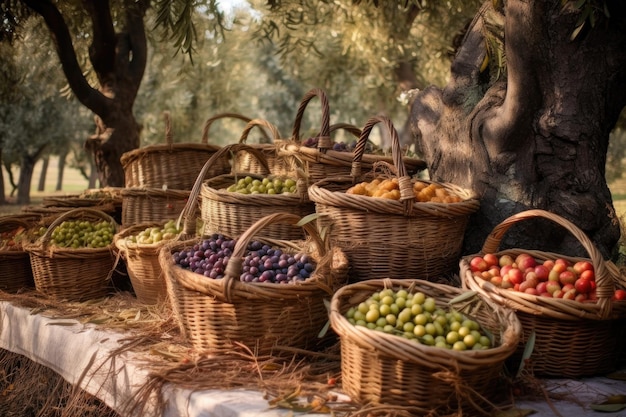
point(61, 169)
point(41, 186)
point(537, 137)
point(119, 60)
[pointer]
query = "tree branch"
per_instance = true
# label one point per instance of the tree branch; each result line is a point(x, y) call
point(102, 48)
point(86, 94)
point(138, 43)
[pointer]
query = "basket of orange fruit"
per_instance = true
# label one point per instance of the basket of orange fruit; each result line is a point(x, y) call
point(389, 223)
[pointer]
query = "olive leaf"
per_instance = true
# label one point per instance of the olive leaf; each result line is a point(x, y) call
point(607, 408)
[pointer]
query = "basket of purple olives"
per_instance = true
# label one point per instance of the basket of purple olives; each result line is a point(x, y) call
point(251, 290)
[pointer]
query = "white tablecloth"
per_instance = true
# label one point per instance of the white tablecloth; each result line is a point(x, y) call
point(80, 354)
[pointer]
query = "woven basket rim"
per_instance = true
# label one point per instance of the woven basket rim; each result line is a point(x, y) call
point(607, 276)
point(41, 247)
point(319, 193)
point(410, 351)
point(211, 190)
point(120, 242)
point(231, 284)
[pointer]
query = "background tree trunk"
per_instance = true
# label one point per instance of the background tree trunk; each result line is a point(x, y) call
point(538, 137)
point(41, 186)
point(27, 167)
point(61, 169)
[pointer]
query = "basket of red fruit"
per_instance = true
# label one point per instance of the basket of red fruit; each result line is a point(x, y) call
point(571, 308)
point(260, 292)
point(324, 158)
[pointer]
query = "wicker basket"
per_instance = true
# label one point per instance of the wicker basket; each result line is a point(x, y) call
point(151, 205)
point(142, 264)
point(232, 213)
point(72, 274)
point(15, 271)
point(217, 314)
point(571, 338)
point(246, 162)
point(392, 238)
point(381, 368)
point(171, 165)
point(107, 199)
point(323, 162)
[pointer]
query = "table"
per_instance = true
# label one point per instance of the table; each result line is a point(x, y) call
point(80, 353)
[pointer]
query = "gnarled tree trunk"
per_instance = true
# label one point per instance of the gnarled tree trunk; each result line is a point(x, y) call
point(536, 137)
point(119, 61)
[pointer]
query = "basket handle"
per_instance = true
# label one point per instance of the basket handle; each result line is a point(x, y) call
point(260, 123)
point(407, 196)
point(605, 277)
point(234, 268)
point(324, 141)
point(226, 151)
point(210, 120)
point(72, 213)
point(350, 128)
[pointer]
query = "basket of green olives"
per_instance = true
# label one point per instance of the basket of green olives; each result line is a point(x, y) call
point(139, 246)
point(431, 347)
point(231, 203)
point(75, 259)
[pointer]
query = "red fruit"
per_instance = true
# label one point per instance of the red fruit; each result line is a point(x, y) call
point(567, 277)
point(548, 263)
point(486, 275)
point(491, 259)
point(583, 286)
point(552, 286)
point(496, 280)
point(560, 265)
point(532, 291)
point(568, 287)
point(581, 266)
point(558, 294)
point(477, 263)
point(619, 295)
point(545, 294)
point(525, 262)
point(542, 287)
point(570, 295)
point(515, 276)
point(581, 297)
point(588, 274)
point(504, 270)
point(495, 271)
point(542, 272)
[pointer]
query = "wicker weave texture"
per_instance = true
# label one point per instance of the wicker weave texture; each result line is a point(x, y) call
point(571, 338)
point(68, 273)
point(232, 213)
point(172, 165)
point(324, 162)
point(15, 270)
point(149, 205)
point(217, 314)
point(392, 238)
point(381, 368)
point(142, 264)
point(247, 162)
